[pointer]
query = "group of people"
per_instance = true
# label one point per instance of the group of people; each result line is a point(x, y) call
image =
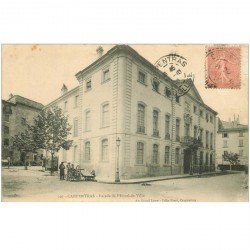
point(69, 166)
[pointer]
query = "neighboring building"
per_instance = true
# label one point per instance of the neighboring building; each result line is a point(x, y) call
point(123, 95)
point(232, 137)
point(16, 112)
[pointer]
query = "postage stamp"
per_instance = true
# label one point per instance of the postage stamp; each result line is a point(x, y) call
point(223, 67)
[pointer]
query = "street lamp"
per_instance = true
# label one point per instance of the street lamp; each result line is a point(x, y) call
point(117, 178)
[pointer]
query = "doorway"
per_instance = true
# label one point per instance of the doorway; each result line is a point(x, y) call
point(187, 161)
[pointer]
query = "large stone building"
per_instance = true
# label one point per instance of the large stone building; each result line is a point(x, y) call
point(122, 95)
point(16, 112)
point(232, 137)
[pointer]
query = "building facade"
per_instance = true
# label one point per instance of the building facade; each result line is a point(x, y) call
point(122, 95)
point(16, 112)
point(231, 137)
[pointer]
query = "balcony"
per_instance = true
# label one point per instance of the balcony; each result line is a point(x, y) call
point(188, 141)
point(141, 129)
point(167, 136)
point(156, 132)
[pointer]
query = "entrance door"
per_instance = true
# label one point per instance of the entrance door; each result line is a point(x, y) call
point(187, 161)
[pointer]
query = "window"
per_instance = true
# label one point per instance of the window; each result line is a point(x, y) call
point(167, 127)
point(211, 119)
point(76, 100)
point(207, 139)
point(224, 135)
point(201, 135)
point(141, 119)
point(65, 106)
point(6, 142)
point(106, 75)
point(177, 99)
point(241, 152)
point(177, 156)
point(195, 109)
point(88, 85)
point(105, 148)
point(207, 160)
point(177, 129)
point(195, 131)
point(6, 118)
point(155, 123)
point(155, 154)
point(87, 151)
point(140, 153)
point(105, 115)
point(241, 134)
point(225, 152)
point(211, 159)
point(141, 77)
point(167, 92)
point(225, 145)
point(156, 85)
point(23, 121)
point(87, 120)
point(187, 129)
point(211, 140)
point(6, 130)
point(166, 158)
point(207, 117)
point(75, 127)
point(240, 143)
point(201, 113)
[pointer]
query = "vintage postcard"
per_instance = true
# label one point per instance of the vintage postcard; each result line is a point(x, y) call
point(140, 123)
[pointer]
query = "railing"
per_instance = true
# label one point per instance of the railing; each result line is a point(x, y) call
point(140, 129)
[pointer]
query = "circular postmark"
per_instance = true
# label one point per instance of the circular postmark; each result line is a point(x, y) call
point(223, 67)
point(174, 66)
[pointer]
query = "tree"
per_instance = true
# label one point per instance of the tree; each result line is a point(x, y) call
point(232, 158)
point(51, 129)
point(24, 142)
point(192, 144)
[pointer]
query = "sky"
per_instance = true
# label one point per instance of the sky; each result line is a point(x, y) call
point(38, 72)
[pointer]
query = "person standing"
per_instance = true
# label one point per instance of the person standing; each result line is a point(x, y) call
point(62, 168)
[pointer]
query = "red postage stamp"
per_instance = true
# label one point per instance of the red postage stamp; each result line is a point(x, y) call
point(223, 67)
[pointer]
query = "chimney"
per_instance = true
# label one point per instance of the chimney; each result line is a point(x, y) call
point(64, 89)
point(99, 51)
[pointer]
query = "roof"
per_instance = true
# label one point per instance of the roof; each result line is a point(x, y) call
point(232, 126)
point(17, 99)
point(128, 49)
point(66, 94)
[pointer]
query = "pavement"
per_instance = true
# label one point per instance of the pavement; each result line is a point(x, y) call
point(36, 185)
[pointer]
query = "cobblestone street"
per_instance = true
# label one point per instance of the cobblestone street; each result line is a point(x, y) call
point(35, 185)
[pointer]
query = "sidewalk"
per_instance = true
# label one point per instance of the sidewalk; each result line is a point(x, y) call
point(170, 177)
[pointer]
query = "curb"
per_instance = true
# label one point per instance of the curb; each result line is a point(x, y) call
point(168, 178)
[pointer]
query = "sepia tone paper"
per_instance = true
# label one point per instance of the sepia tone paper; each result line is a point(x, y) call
point(136, 113)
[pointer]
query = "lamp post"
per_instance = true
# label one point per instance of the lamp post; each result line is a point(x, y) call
point(117, 178)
